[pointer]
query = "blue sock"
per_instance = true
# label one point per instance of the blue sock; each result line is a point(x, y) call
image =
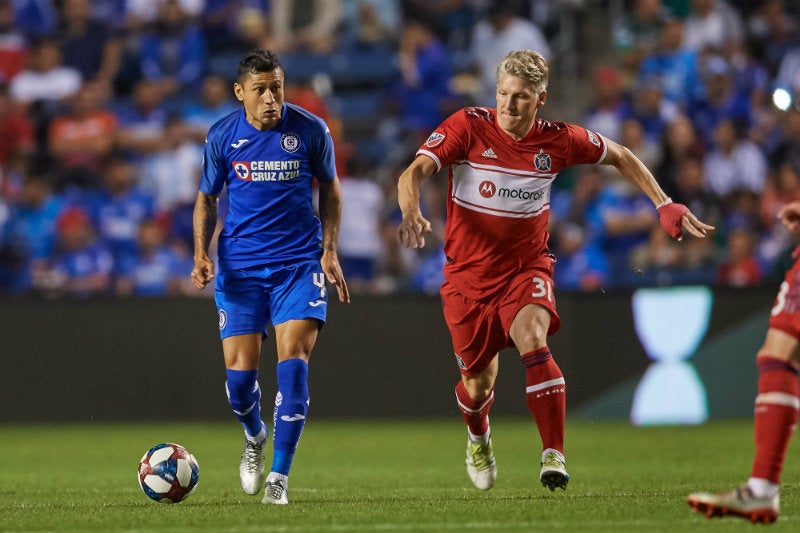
point(291, 406)
point(244, 395)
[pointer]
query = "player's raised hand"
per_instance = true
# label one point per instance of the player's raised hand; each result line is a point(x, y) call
point(790, 217)
point(675, 217)
point(412, 230)
point(203, 272)
point(335, 276)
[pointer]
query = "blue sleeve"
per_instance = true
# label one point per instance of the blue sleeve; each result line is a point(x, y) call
point(322, 160)
point(214, 169)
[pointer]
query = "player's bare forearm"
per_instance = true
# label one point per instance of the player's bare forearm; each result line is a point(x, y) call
point(330, 214)
point(413, 228)
point(204, 221)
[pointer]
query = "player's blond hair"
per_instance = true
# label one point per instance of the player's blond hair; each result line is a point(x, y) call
point(528, 65)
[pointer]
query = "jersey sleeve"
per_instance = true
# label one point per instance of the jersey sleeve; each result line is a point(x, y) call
point(322, 159)
point(215, 168)
point(586, 146)
point(448, 142)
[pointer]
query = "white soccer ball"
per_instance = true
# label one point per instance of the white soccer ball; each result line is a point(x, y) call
point(168, 473)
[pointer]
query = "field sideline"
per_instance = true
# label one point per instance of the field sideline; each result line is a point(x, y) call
point(383, 476)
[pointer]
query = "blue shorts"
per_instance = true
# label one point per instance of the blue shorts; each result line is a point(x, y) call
point(249, 300)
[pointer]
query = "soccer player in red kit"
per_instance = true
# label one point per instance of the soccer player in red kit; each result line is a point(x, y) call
point(498, 288)
point(776, 406)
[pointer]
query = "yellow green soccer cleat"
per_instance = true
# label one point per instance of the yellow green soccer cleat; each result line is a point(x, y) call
point(481, 467)
point(554, 471)
point(739, 502)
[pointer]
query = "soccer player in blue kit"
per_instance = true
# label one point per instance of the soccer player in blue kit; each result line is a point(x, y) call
point(274, 255)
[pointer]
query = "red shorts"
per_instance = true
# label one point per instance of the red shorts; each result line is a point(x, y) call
point(479, 329)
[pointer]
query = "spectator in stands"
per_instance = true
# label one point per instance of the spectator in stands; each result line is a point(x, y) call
point(690, 189)
point(623, 219)
point(37, 18)
point(678, 143)
point(88, 45)
point(142, 120)
point(650, 109)
point(788, 148)
point(657, 260)
point(636, 35)
point(360, 243)
point(782, 188)
point(609, 106)
point(576, 233)
point(304, 25)
point(722, 99)
point(118, 208)
point(498, 32)
point(82, 266)
point(222, 19)
point(672, 65)
point(712, 25)
point(453, 21)
point(17, 140)
point(213, 103)
point(773, 31)
point(646, 149)
point(423, 89)
point(81, 138)
point(44, 84)
point(13, 43)
point(156, 269)
point(740, 267)
point(45, 76)
point(173, 51)
point(370, 22)
point(31, 229)
point(171, 174)
point(734, 162)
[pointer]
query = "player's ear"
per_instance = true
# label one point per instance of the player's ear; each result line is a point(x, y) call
point(542, 99)
point(238, 91)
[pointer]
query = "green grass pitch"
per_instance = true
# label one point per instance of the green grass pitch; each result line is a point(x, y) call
point(383, 476)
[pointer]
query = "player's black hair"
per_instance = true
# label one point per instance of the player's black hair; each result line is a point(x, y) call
point(257, 61)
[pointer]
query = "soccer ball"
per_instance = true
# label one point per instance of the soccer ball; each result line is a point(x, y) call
point(168, 473)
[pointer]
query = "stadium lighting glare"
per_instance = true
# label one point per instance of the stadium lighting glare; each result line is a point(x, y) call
point(781, 98)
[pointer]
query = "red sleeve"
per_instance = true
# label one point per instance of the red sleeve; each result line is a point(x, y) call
point(449, 142)
point(586, 146)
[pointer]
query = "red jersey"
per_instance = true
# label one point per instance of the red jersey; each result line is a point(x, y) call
point(499, 193)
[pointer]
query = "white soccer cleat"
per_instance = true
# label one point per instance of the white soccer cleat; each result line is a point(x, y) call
point(739, 502)
point(554, 471)
point(251, 469)
point(276, 489)
point(481, 466)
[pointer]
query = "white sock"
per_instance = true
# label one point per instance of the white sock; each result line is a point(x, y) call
point(762, 488)
point(483, 440)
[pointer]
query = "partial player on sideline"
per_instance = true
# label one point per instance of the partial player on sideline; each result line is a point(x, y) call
point(498, 288)
point(275, 255)
point(776, 406)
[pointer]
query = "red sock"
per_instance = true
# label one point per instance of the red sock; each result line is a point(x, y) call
point(474, 412)
point(546, 395)
point(776, 414)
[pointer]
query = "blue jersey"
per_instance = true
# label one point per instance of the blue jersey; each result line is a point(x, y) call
point(269, 175)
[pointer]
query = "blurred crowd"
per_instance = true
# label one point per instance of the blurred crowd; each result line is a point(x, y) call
point(104, 106)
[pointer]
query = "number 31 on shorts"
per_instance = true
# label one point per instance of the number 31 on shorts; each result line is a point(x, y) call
point(542, 288)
